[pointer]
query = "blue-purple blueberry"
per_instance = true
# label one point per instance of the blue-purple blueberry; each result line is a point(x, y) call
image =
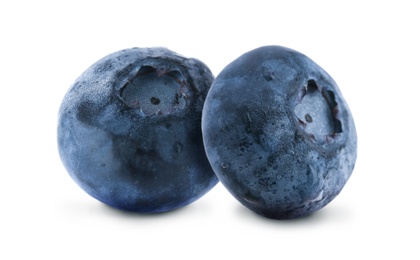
point(129, 130)
point(278, 133)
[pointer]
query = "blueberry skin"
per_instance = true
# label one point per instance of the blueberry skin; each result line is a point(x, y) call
point(278, 133)
point(129, 130)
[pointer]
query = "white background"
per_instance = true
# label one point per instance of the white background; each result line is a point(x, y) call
point(370, 48)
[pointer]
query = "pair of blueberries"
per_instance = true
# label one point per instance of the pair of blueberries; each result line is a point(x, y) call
point(148, 130)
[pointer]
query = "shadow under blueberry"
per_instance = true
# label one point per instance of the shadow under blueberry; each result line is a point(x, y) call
point(108, 210)
point(330, 213)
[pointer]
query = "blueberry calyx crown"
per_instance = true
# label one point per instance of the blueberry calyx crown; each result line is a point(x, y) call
point(156, 91)
point(317, 112)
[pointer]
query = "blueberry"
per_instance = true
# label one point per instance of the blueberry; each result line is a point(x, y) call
point(129, 130)
point(278, 133)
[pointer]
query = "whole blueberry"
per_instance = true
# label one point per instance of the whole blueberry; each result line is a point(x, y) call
point(129, 130)
point(278, 133)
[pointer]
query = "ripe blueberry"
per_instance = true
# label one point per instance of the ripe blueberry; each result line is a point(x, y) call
point(129, 130)
point(278, 133)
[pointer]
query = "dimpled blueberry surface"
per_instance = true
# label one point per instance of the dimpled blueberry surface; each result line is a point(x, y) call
point(278, 133)
point(129, 130)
